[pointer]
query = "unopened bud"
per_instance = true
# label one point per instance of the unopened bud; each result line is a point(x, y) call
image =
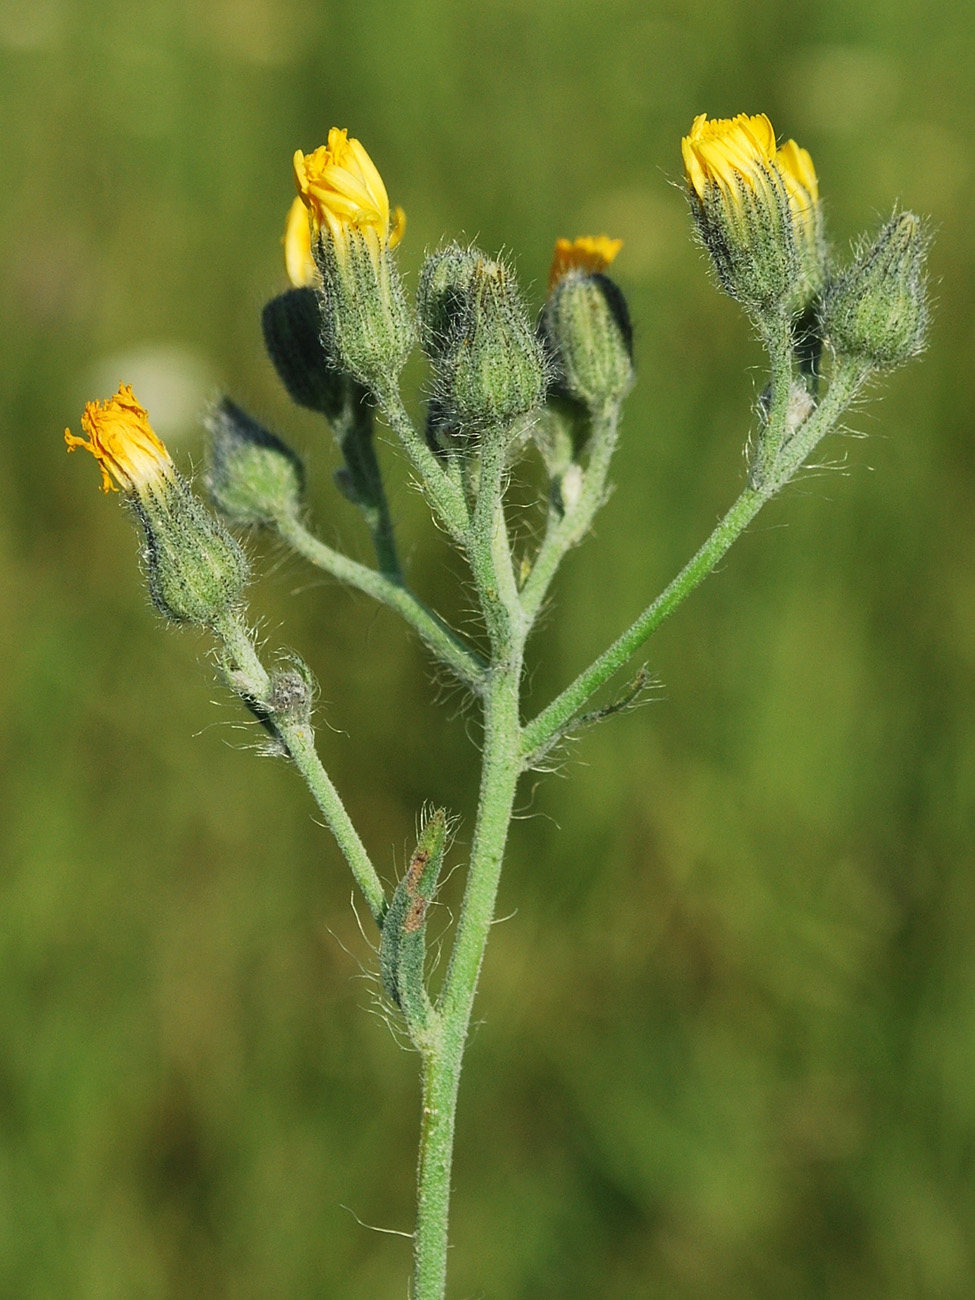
point(489, 367)
point(253, 477)
point(441, 295)
point(587, 327)
point(876, 313)
point(402, 949)
point(292, 326)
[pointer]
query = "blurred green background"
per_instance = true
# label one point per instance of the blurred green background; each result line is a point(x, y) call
point(727, 1039)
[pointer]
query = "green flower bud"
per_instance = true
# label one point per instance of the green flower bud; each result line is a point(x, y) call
point(196, 571)
point(876, 313)
point(366, 323)
point(586, 326)
point(252, 477)
point(292, 333)
point(489, 366)
point(442, 292)
point(292, 326)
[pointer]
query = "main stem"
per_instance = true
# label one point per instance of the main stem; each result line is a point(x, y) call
point(443, 1058)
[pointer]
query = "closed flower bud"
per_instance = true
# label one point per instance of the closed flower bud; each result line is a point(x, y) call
point(367, 327)
point(876, 313)
point(442, 294)
point(757, 211)
point(252, 476)
point(195, 570)
point(292, 326)
point(489, 367)
point(586, 325)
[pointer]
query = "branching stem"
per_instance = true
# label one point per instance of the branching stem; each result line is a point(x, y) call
point(246, 675)
point(448, 647)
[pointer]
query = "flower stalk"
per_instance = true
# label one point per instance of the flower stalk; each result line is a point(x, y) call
point(500, 388)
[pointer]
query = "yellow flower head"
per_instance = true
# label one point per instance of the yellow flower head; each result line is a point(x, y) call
point(342, 190)
point(757, 208)
point(589, 254)
point(298, 260)
point(122, 441)
point(727, 152)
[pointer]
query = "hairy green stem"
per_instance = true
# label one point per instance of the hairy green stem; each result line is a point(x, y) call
point(249, 678)
point(565, 532)
point(779, 344)
point(448, 647)
point(441, 488)
point(443, 1058)
point(489, 550)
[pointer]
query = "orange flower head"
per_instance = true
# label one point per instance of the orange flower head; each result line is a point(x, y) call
point(121, 439)
point(589, 254)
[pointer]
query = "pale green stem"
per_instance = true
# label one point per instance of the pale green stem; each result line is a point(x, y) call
point(567, 531)
point(443, 1059)
point(247, 675)
point(489, 550)
point(489, 553)
point(778, 341)
point(441, 488)
point(543, 730)
point(448, 647)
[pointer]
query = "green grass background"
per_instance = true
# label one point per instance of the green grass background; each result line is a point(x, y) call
point(727, 1040)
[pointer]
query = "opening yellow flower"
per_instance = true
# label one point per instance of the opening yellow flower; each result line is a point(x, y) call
point(757, 209)
point(727, 151)
point(589, 254)
point(298, 260)
point(342, 190)
point(123, 442)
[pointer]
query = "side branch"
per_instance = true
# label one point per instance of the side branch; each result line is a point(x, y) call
point(246, 675)
point(443, 491)
point(539, 734)
point(448, 647)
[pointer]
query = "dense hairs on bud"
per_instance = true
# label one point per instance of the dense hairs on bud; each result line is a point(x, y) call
point(876, 312)
point(489, 367)
point(586, 327)
point(252, 476)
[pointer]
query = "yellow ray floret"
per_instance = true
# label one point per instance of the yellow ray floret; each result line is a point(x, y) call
point(298, 260)
point(727, 151)
point(589, 254)
point(122, 441)
point(341, 188)
point(795, 166)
